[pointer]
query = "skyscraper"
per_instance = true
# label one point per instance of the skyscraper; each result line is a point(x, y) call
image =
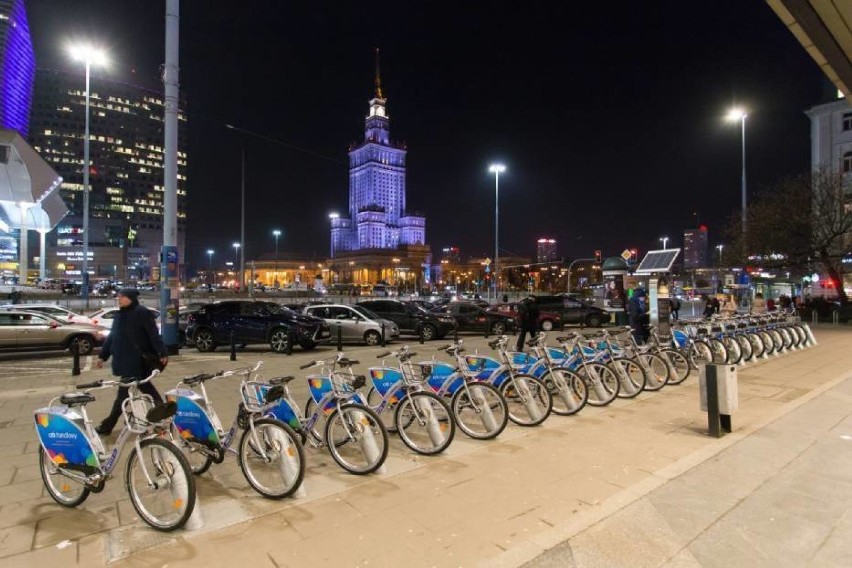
point(378, 218)
point(126, 173)
point(17, 67)
point(546, 250)
point(695, 247)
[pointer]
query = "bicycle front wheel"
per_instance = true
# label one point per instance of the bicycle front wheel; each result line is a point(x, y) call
point(632, 377)
point(527, 399)
point(657, 372)
point(568, 390)
point(602, 382)
point(480, 410)
point(272, 458)
point(424, 423)
point(167, 501)
point(356, 439)
point(720, 352)
point(64, 490)
point(679, 365)
point(735, 354)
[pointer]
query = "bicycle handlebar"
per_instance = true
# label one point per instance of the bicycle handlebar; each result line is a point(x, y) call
point(383, 355)
point(309, 365)
point(104, 384)
point(93, 385)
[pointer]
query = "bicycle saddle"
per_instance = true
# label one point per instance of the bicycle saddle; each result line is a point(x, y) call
point(281, 380)
point(494, 344)
point(359, 381)
point(196, 379)
point(532, 342)
point(76, 398)
point(566, 338)
point(347, 362)
point(275, 393)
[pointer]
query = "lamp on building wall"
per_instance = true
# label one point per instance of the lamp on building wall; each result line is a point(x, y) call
point(89, 56)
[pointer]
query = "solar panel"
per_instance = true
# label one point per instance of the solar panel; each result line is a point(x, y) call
point(658, 261)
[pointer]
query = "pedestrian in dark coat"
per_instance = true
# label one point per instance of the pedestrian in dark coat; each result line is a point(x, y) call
point(528, 313)
point(136, 350)
point(637, 317)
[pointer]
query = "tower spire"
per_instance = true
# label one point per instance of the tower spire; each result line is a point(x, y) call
point(378, 77)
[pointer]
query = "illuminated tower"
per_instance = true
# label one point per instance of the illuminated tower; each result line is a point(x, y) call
point(17, 66)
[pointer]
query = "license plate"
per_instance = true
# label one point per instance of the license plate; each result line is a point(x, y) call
point(325, 333)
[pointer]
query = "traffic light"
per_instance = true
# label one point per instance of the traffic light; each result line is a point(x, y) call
point(597, 257)
point(634, 255)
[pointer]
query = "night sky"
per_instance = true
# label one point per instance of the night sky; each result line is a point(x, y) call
point(609, 116)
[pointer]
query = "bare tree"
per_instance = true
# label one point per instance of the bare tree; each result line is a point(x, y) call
point(799, 222)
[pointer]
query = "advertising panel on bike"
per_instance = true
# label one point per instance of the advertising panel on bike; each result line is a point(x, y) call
point(191, 419)
point(61, 433)
point(384, 378)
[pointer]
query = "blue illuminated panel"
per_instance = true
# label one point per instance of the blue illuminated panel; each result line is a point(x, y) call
point(17, 67)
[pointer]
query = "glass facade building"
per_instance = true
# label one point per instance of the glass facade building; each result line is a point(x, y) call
point(17, 66)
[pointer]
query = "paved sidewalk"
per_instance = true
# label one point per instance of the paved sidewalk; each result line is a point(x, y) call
point(500, 503)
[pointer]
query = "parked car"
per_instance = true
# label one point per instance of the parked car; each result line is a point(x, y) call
point(411, 318)
point(547, 321)
point(470, 317)
point(106, 316)
point(254, 322)
point(62, 314)
point(574, 311)
point(183, 321)
point(25, 331)
point(356, 323)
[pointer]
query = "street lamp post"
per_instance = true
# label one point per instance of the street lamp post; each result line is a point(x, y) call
point(237, 263)
point(739, 115)
point(210, 265)
point(88, 55)
point(276, 233)
point(496, 169)
point(665, 240)
point(719, 248)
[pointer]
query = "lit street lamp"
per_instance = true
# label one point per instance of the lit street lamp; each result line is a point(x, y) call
point(210, 263)
point(496, 169)
point(236, 260)
point(665, 240)
point(276, 233)
point(719, 248)
point(90, 56)
point(739, 115)
point(332, 217)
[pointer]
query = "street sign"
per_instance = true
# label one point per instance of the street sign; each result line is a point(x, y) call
point(487, 261)
point(626, 254)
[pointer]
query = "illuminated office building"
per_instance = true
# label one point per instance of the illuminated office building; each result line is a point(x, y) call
point(546, 250)
point(126, 172)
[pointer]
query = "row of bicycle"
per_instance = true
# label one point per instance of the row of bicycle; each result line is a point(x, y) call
point(423, 402)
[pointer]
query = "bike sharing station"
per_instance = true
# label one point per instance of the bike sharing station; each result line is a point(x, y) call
point(656, 266)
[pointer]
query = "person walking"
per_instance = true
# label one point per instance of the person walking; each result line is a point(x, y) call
point(136, 350)
point(674, 305)
point(709, 309)
point(528, 313)
point(758, 305)
point(637, 317)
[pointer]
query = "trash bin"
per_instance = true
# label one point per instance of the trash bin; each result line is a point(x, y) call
point(719, 396)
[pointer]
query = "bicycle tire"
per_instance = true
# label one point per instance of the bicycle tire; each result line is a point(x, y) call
point(601, 382)
point(703, 353)
point(745, 348)
point(62, 493)
point(632, 377)
point(735, 354)
point(436, 426)
point(679, 365)
point(388, 414)
point(657, 371)
point(537, 407)
point(282, 446)
point(357, 419)
point(777, 339)
point(720, 352)
point(489, 399)
point(803, 335)
point(316, 431)
point(757, 345)
point(787, 337)
point(768, 342)
point(568, 390)
point(179, 507)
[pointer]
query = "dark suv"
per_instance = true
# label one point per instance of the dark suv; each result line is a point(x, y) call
point(572, 310)
point(470, 317)
point(254, 322)
point(411, 318)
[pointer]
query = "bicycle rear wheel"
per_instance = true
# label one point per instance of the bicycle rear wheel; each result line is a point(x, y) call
point(167, 502)
point(61, 488)
point(601, 381)
point(527, 399)
point(356, 439)
point(424, 423)
point(272, 458)
point(701, 352)
point(480, 410)
point(568, 390)
point(631, 376)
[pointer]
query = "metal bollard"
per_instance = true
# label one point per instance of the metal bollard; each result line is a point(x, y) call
point(456, 332)
point(835, 317)
point(339, 338)
point(383, 336)
point(290, 339)
point(814, 317)
point(420, 333)
point(233, 348)
point(75, 363)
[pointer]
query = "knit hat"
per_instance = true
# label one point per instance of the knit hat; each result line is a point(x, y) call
point(131, 294)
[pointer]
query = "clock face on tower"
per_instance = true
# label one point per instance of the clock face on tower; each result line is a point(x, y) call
point(379, 110)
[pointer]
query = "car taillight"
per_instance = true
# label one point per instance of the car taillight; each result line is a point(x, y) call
point(95, 321)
